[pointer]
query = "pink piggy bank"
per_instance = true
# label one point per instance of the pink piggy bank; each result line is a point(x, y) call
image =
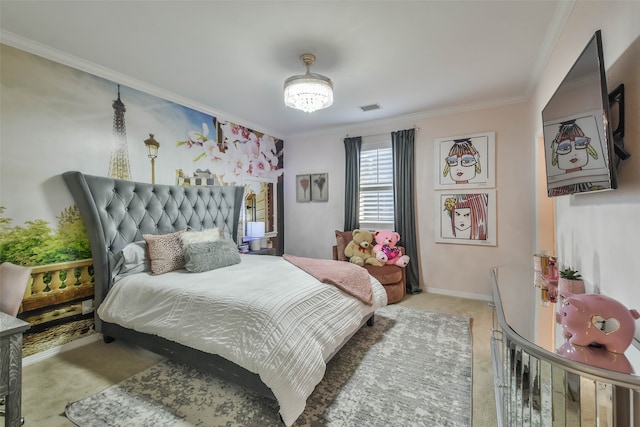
point(590, 319)
point(594, 356)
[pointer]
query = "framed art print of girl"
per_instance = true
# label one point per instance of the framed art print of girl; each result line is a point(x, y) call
point(465, 161)
point(466, 217)
point(576, 156)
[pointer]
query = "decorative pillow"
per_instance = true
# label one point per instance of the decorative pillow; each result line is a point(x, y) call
point(342, 240)
point(13, 281)
point(133, 259)
point(226, 236)
point(165, 252)
point(207, 256)
point(201, 236)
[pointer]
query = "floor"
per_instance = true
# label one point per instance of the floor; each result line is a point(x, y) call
point(50, 384)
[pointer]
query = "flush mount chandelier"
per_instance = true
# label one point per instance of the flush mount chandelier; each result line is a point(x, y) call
point(308, 92)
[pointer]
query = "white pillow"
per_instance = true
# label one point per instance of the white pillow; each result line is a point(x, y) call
point(201, 236)
point(133, 259)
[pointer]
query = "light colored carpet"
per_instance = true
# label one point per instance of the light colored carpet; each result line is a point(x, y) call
point(49, 385)
point(412, 368)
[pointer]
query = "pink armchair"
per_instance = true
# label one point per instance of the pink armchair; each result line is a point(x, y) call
point(392, 277)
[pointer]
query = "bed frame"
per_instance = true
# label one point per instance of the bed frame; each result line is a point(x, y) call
point(118, 212)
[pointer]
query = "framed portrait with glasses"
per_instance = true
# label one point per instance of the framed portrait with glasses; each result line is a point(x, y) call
point(575, 154)
point(465, 161)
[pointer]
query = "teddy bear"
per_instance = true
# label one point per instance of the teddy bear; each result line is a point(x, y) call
point(386, 250)
point(360, 249)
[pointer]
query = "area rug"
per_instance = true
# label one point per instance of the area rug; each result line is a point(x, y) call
point(412, 368)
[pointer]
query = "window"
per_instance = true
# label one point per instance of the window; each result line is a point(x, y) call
point(376, 185)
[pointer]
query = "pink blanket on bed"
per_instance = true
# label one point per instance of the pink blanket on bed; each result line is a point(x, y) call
point(346, 276)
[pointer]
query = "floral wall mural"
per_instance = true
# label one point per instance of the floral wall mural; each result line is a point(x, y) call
point(235, 151)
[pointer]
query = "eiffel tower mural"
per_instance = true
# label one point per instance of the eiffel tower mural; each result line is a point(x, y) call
point(119, 166)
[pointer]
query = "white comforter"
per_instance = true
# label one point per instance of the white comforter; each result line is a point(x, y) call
point(263, 314)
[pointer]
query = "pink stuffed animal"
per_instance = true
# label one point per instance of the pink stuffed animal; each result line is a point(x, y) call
point(386, 250)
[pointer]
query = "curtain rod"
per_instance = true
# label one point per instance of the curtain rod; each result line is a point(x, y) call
point(382, 134)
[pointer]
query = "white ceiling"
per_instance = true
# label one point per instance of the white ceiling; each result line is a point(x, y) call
point(411, 57)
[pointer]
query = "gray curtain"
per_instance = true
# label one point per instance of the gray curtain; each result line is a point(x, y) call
point(352, 147)
point(402, 143)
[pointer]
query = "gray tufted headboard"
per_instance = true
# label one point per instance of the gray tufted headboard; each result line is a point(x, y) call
point(117, 212)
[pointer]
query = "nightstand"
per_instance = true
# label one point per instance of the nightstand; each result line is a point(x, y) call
point(263, 251)
point(11, 329)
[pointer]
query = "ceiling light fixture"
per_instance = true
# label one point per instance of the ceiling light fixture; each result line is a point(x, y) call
point(308, 92)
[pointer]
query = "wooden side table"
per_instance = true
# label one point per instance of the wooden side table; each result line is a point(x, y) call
point(11, 329)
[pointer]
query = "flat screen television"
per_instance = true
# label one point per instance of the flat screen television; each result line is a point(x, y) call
point(578, 140)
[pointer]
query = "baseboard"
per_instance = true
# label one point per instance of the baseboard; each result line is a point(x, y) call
point(43, 355)
point(467, 295)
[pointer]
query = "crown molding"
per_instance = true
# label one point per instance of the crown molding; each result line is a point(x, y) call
point(560, 18)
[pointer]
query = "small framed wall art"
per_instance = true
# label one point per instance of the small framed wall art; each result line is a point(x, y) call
point(319, 187)
point(466, 161)
point(303, 188)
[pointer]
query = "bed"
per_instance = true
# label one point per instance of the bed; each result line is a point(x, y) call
point(261, 322)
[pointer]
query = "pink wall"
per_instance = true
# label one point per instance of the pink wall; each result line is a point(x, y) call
point(446, 268)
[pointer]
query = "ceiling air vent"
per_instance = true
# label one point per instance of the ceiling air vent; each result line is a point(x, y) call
point(370, 107)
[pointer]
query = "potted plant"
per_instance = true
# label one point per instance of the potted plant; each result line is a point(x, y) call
point(570, 282)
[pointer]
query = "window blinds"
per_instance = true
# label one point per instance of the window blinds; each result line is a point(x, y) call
point(376, 186)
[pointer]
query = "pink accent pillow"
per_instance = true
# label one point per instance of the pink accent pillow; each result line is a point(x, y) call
point(165, 252)
point(14, 280)
point(342, 240)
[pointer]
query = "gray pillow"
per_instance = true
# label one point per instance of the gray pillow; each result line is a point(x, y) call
point(205, 256)
point(132, 259)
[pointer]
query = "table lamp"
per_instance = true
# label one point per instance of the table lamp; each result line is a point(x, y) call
point(255, 231)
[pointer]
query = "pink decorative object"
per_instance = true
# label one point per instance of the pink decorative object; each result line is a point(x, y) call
point(552, 268)
point(552, 288)
point(595, 356)
point(568, 286)
point(590, 319)
point(386, 250)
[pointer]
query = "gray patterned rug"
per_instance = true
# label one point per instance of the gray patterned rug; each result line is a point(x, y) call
point(412, 368)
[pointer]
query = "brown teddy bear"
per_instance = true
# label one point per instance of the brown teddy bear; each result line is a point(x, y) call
point(360, 249)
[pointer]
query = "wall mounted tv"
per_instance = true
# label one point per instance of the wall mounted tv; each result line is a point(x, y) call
point(578, 140)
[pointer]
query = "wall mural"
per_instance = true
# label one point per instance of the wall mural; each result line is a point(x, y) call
point(56, 118)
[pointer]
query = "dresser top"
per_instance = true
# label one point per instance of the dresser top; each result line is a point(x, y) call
point(10, 325)
point(522, 310)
